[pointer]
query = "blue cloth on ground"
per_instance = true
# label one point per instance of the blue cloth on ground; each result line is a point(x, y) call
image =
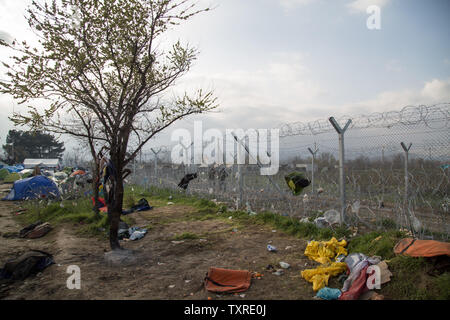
point(329, 293)
point(136, 233)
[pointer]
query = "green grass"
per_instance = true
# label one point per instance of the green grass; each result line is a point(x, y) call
point(411, 282)
point(376, 243)
point(78, 212)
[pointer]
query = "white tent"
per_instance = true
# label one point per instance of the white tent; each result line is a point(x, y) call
point(42, 163)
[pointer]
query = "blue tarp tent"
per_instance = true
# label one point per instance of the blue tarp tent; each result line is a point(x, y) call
point(33, 188)
point(16, 168)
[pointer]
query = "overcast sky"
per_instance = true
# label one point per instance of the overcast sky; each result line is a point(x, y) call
point(275, 61)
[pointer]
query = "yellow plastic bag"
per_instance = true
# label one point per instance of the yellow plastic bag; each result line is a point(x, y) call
point(319, 276)
point(324, 251)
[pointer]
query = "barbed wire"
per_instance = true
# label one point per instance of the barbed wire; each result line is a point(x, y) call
point(435, 116)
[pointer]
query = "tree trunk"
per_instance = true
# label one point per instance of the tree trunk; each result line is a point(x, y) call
point(115, 210)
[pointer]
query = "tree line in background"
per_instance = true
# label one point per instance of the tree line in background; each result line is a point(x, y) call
point(21, 145)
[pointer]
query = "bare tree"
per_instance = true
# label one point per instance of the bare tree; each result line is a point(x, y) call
point(102, 67)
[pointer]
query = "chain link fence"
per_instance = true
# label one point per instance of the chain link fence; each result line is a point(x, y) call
point(395, 172)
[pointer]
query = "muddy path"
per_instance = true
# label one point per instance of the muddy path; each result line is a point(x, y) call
point(165, 269)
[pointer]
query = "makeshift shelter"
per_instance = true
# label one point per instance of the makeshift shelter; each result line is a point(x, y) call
point(52, 164)
point(16, 168)
point(33, 188)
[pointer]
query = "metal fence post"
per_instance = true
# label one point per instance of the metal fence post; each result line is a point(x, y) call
point(156, 162)
point(241, 185)
point(406, 149)
point(341, 132)
point(313, 153)
point(406, 195)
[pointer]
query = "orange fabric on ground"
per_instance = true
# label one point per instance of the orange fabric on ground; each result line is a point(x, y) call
point(422, 248)
point(227, 281)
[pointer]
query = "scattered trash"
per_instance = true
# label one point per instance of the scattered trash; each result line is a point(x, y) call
point(319, 277)
point(172, 286)
point(29, 263)
point(385, 275)
point(242, 295)
point(355, 286)
point(131, 234)
point(271, 248)
point(304, 220)
point(285, 265)
point(332, 217)
point(279, 272)
point(274, 230)
point(170, 203)
point(356, 206)
point(422, 248)
point(329, 293)
point(354, 231)
point(142, 205)
point(358, 286)
point(231, 281)
point(177, 242)
point(35, 230)
point(321, 222)
point(184, 183)
point(288, 247)
point(324, 251)
point(296, 182)
point(270, 267)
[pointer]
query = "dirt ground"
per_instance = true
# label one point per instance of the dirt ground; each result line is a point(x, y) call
point(165, 269)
